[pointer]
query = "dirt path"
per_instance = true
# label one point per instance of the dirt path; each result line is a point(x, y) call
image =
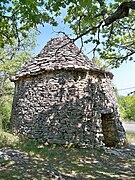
point(71, 164)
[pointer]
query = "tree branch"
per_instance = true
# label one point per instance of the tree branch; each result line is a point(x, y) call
point(86, 32)
point(121, 12)
point(121, 58)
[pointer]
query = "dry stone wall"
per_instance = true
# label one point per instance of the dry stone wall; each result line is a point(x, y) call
point(66, 107)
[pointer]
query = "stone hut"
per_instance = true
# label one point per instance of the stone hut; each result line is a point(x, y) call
point(61, 97)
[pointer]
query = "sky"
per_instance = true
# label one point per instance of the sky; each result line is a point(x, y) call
point(124, 76)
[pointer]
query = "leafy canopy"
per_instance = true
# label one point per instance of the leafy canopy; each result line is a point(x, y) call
point(127, 107)
point(12, 58)
point(109, 25)
point(17, 17)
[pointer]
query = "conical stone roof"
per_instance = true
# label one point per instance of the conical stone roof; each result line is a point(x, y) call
point(59, 54)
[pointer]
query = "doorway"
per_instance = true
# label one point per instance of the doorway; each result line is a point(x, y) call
point(109, 129)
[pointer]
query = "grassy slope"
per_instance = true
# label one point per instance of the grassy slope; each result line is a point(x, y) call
point(46, 162)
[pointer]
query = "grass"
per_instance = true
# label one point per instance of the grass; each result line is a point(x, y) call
point(130, 137)
point(36, 161)
point(7, 139)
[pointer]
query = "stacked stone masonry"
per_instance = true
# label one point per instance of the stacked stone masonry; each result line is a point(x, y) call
point(66, 105)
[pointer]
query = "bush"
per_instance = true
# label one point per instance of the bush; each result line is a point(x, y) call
point(6, 105)
point(127, 107)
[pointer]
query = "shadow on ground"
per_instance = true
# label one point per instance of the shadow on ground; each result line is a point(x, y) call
point(43, 162)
